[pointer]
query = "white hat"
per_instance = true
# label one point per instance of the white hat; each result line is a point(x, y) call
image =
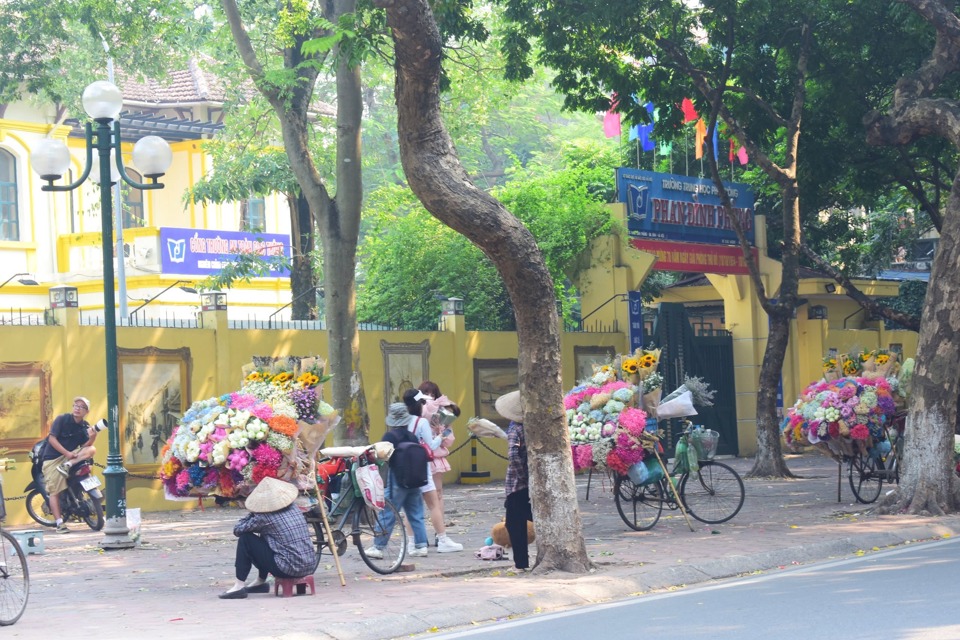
point(83, 400)
point(271, 495)
point(510, 406)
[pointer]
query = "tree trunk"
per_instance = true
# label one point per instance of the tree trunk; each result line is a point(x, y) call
point(339, 218)
point(441, 183)
point(928, 484)
point(302, 279)
point(769, 461)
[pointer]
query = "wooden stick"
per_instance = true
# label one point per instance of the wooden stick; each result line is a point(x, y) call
point(666, 474)
point(331, 541)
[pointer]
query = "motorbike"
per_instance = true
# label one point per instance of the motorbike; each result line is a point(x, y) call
point(81, 500)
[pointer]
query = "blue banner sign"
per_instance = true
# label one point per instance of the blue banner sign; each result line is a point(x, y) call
point(635, 312)
point(665, 206)
point(192, 252)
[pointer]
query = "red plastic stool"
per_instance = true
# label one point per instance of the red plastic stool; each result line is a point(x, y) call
point(287, 586)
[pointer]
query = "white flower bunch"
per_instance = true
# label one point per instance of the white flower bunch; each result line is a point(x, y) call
point(192, 451)
point(238, 439)
point(220, 452)
point(257, 429)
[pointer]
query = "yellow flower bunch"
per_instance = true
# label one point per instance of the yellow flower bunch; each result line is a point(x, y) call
point(282, 378)
point(308, 379)
point(254, 376)
point(630, 365)
point(647, 361)
point(866, 355)
point(883, 358)
point(851, 367)
point(829, 364)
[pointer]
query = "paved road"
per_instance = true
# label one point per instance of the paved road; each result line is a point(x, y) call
point(168, 587)
point(907, 593)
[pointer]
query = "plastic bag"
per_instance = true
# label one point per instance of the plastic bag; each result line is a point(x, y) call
point(678, 407)
point(371, 485)
point(490, 552)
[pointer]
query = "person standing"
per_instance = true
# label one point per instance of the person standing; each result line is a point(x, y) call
point(273, 537)
point(415, 400)
point(440, 412)
point(516, 485)
point(70, 441)
point(408, 499)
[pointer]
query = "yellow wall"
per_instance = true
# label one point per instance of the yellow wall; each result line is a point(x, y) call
point(73, 354)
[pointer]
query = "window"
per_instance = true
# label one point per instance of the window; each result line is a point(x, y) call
point(9, 216)
point(132, 202)
point(253, 215)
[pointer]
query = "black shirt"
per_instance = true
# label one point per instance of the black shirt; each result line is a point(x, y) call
point(68, 432)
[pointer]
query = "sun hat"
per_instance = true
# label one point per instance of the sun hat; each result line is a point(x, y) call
point(510, 406)
point(85, 402)
point(397, 415)
point(271, 495)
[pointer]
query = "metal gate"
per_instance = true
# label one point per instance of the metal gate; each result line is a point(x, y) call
point(708, 357)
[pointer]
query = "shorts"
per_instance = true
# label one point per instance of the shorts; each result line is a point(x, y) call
point(55, 481)
point(430, 486)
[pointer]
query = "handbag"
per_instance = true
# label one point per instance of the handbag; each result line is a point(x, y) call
point(490, 552)
point(371, 485)
point(429, 451)
point(423, 444)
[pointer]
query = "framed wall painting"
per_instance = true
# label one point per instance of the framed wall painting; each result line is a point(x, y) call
point(492, 379)
point(154, 394)
point(584, 359)
point(26, 409)
point(405, 366)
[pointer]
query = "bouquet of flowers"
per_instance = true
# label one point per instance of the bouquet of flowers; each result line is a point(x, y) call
point(851, 409)
point(273, 426)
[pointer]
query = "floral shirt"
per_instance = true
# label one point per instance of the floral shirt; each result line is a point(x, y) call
point(287, 535)
point(517, 473)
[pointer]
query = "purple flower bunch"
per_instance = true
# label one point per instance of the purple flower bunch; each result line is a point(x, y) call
point(306, 402)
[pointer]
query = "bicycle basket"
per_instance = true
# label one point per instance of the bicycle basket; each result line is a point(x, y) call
point(709, 440)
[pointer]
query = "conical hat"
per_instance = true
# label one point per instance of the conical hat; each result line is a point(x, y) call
point(271, 495)
point(510, 406)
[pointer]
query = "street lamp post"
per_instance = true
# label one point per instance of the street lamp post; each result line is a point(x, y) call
point(152, 156)
point(30, 282)
point(149, 300)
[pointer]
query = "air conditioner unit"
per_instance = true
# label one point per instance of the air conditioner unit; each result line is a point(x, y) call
point(923, 265)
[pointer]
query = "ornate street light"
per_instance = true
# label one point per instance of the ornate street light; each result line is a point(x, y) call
point(152, 157)
point(149, 300)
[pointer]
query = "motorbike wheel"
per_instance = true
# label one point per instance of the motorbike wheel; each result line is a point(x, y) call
point(93, 510)
point(39, 510)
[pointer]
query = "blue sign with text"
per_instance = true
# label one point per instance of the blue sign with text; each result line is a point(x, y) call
point(666, 206)
point(205, 251)
point(635, 313)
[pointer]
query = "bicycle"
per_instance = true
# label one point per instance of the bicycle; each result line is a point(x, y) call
point(14, 573)
point(712, 495)
point(870, 466)
point(364, 521)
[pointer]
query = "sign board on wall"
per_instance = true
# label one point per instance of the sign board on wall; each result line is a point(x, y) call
point(695, 258)
point(635, 302)
point(206, 251)
point(666, 206)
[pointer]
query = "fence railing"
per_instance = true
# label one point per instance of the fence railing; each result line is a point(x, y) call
point(26, 319)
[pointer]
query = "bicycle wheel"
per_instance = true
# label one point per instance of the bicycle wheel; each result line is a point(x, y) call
point(639, 506)
point(866, 477)
point(368, 527)
point(14, 580)
point(715, 495)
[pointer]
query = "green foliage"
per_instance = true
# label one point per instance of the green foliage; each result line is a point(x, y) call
point(409, 257)
point(910, 300)
point(53, 49)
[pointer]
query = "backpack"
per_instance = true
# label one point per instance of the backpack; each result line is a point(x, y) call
point(409, 465)
point(36, 451)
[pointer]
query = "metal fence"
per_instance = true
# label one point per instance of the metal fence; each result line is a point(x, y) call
point(26, 319)
point(168, 321)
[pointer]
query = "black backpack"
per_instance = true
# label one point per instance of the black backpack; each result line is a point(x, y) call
point(409, 465)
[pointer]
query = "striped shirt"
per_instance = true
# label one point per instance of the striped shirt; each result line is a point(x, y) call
point(286, 532)
point(517, 473)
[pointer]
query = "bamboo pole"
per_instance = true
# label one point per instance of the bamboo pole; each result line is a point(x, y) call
point(673, 489)
point(330, 541)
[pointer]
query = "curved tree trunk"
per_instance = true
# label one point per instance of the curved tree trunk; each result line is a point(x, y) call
point(441, 183)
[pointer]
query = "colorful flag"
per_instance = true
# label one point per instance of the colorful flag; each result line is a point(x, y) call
point(701, 130)
point(689, 112)
point(742, 156)
point(716, 145)
point(666, 148)
point(611, 121)
point(732, 151)
point(646, 130)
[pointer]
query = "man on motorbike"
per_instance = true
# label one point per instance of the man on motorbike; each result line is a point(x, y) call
point(70, 441)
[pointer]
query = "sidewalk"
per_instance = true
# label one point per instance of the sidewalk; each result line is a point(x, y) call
point(168, 587)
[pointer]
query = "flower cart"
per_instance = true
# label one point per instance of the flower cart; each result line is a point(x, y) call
point(852, 414)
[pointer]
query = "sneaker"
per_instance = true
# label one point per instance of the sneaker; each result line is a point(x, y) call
point(418, 552)
point(62, 528)
point(373, 552)
point(64, 468)
point(446, 545)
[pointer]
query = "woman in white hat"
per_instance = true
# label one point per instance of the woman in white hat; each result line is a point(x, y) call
point(516, 486)
point(273, 537)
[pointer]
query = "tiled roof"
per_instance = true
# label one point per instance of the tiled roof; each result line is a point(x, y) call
point(195, 84)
